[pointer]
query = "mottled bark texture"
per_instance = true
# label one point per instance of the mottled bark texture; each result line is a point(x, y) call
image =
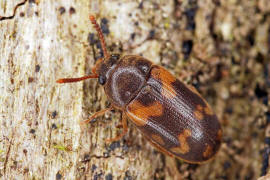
point(221, 47)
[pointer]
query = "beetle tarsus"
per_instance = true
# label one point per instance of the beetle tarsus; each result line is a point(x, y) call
point(124, 132)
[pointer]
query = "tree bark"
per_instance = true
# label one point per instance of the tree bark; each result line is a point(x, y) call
point(222, 47)
point(40, 133)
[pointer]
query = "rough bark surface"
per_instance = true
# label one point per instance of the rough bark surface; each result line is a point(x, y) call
point(40, 133)
point(221, 47)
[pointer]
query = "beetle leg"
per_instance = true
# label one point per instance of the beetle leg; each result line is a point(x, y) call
point(95, 115)
point(125, 130)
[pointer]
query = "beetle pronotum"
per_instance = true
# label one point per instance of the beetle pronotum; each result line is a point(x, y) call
point(172, 116)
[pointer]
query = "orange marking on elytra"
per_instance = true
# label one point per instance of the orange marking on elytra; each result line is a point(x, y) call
point(199, 107)
point(219, 135)
point(163, 75)
point(140, 113)
point(208, 110)
point(158, 139)
point(194, 90)
point(208, 151)
point(184, 147)
point(177, 150)
point(166, 79)
point(198, 115)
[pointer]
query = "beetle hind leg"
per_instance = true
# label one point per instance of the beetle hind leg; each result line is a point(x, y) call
point(125, 130)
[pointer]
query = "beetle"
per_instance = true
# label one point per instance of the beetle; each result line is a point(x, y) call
point(172, 116)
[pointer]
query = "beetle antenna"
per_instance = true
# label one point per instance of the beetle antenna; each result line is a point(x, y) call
point(100, 35)
point(71, 80)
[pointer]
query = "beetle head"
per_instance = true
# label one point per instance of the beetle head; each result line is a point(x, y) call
point(104, 66)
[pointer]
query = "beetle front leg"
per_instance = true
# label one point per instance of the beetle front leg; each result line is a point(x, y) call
point(97, 114)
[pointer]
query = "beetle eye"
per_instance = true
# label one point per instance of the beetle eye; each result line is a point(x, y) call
point(144, 68)
point(101, 80)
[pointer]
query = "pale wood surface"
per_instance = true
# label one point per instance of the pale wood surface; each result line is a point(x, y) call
point(40, 133)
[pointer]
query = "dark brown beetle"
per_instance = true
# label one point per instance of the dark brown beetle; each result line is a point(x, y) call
point(172, 116)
